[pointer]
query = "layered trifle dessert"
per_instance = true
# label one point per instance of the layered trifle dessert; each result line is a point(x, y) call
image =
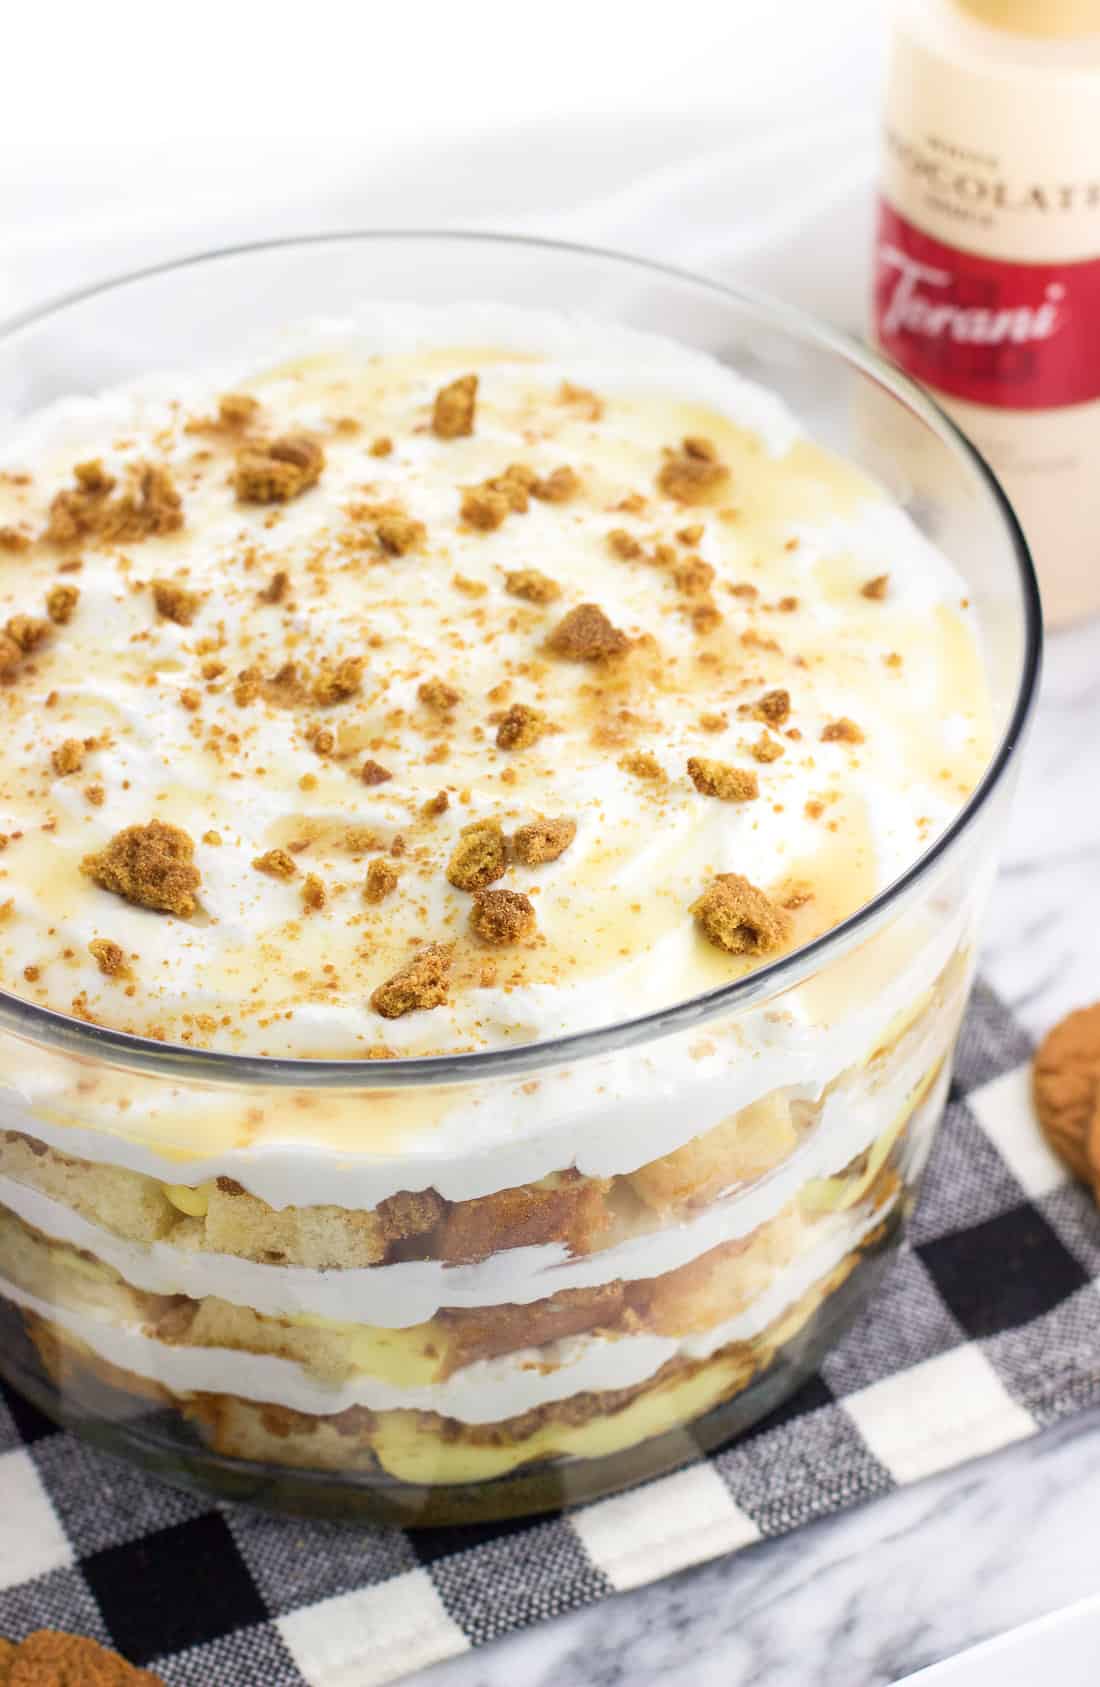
point(448, 684)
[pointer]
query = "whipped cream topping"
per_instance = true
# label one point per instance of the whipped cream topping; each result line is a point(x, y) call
point(257, 969)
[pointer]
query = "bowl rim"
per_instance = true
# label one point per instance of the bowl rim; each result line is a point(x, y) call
point(49, 1028)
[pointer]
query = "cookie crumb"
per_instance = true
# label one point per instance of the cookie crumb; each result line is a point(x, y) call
point(533, 587)
point(27, 632)
point(719, 779)
point(338, 681)
point(736, 916)
point(521, 727)
point(483, 508)
point(276, 589)
point(381, 879)
point(713, 721)
point(543, 840)
point(766, 749)
point(68, 757)
point(151, 508)
point(399, 534)
point(151, 865)
point(276, 863)
point(842, 731)
point(558, 486)
point(373, 773)
point(382, 446)
point(624, 545)
point(453, 409)
point(876, 589)
point(479, 857)
point(436, 694)
point(421, 983)
point(175, 602)
point(502, 916)
point(693, 473)
point(643, 765)
point(61, 601)
point(282, 469)
point(586, 635)
point(773, 708)
point(14, 539)
point(109, 957)
point(314, 894)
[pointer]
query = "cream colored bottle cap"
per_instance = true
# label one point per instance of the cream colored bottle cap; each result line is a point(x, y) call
point(1037, 17)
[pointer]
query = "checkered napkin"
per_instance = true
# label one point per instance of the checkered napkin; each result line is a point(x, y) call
point(986, 1329)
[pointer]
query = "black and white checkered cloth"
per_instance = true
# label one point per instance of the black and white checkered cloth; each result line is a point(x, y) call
point(987, 1329)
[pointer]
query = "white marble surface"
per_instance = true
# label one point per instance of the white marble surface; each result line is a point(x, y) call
point(868, 1597)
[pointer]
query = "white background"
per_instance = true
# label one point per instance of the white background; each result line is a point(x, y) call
point(131, 133)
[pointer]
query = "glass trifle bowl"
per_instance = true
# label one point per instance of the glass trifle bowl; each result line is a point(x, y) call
point(452, 1136)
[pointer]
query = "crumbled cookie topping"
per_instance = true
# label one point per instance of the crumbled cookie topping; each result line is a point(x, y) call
point(275, 472)
point(151, 508)
point(479, 857)
point(520, 727)
point(773, 708)
point(543, 840)
point(624, 545)
point(151, 865)
point(237, 410)
point(338, 681)
point(736, 916)
point(381, 879)
point(502, 916)
point(532, 586)
point(643, 765)
point(766, 749)
point(842, 731)
point(27, 633)
point(314, 893)
point(61, 601)
point(719, 779)
point(437, 694)
point(877, 588)
point(14, 539)
point(486, 506)
point(373, 773)
point(586, 635)
point(276, 863)
point(558, 486)
point(693, 576)
point(399, 534)
point(422, 983)
point(109, 957)
point(693, 473)
point(276, 589)
point(68, 757)
point(453, 410)
point(175, 602)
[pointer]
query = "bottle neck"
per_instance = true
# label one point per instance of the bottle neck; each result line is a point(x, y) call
point(1050, 18)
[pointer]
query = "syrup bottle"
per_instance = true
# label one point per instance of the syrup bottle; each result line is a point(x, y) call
point(987, 266)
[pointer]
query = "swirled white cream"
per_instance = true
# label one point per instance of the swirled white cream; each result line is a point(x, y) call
point(256, 971)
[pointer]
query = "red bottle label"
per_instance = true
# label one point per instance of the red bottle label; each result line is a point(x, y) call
point(1016, 336)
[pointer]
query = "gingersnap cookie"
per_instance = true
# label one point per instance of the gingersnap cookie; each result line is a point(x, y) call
point(50, 1658)
point(1066, 1087)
